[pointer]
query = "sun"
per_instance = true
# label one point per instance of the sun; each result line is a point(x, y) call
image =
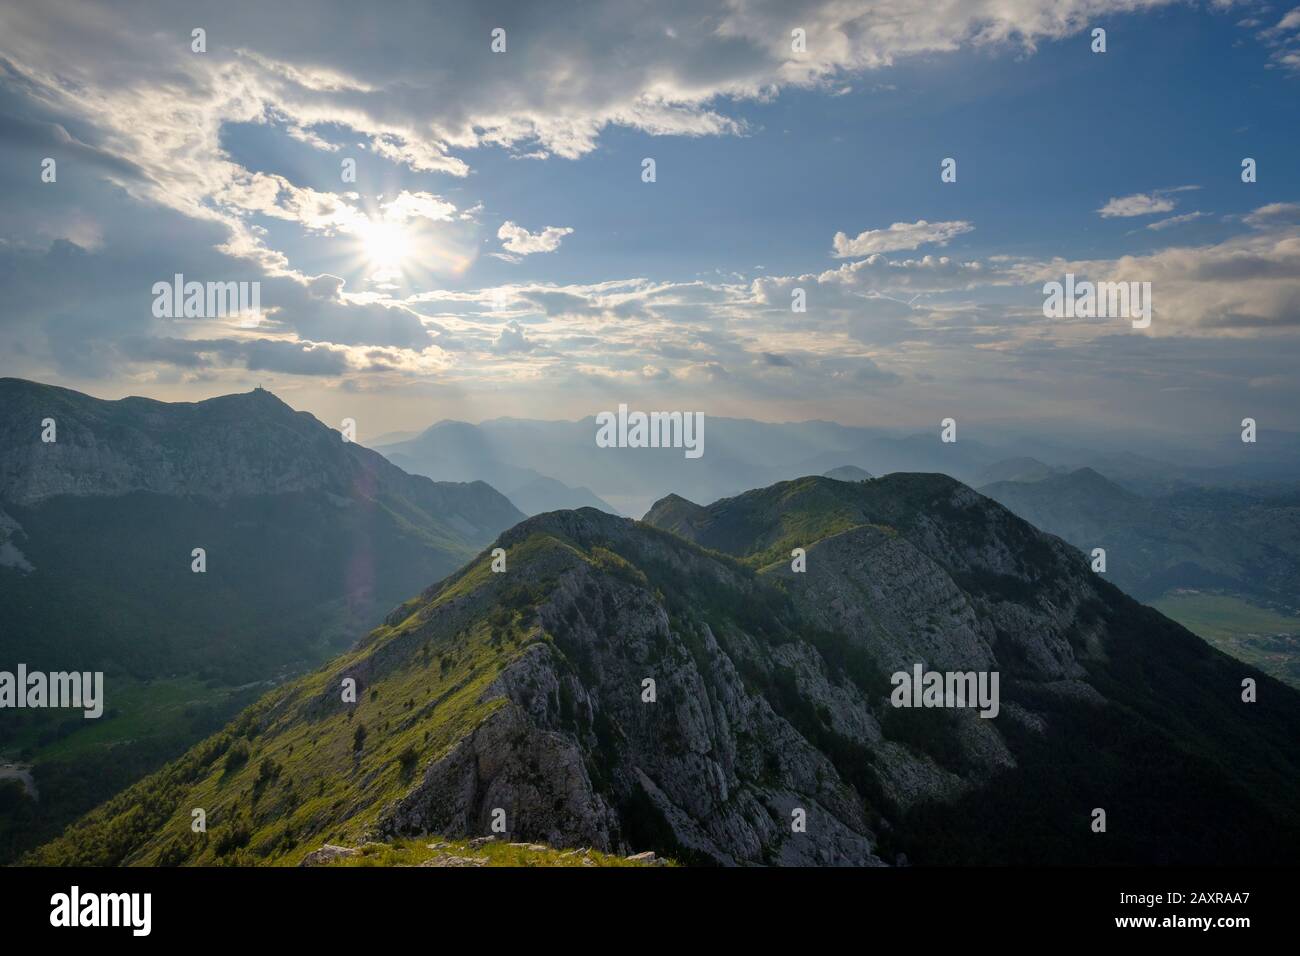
point(392, 249)
point(386, 244)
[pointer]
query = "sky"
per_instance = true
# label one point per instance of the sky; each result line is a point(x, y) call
point(501, 254)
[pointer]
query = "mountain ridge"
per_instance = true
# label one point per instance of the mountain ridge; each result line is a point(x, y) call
point(524, 691)
point(1194, 539)
point(193, 553)
point(188, 475)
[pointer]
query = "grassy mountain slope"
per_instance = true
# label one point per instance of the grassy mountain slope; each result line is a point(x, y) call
point(525, 691)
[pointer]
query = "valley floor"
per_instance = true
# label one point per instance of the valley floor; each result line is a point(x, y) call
point(68, 764)
point(1256, 635)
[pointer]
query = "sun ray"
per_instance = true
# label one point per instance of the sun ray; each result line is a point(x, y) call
point(387, 245)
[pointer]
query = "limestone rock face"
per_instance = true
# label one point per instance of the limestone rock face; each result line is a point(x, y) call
point(507, 763)
point(707, 756)
point(636, 712)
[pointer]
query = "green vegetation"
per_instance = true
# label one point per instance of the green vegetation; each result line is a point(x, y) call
point(282, 593)
point(136, 710)
point(1240, 541)
point(1222, 616)
point(429, 851)
point(79, 763)
point(1175, 723)
point(296, 769)
point(1256, 635)
point(309, 541)
point(284, 587)
point(762, 527)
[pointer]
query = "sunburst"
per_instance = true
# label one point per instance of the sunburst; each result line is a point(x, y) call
point(386, 245)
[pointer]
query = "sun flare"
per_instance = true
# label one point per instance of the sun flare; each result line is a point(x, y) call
point(386, 244)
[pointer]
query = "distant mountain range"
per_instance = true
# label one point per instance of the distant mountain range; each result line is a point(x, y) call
point(1017, 469)
point(848, 473)
point(679, 685)
point(456, 451)
point(545, 465)
point(512, 454)
point(1241, 541)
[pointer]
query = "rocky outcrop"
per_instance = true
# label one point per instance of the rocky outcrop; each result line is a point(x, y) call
point(631, 712)
point(537, 778)
point(707, 758)
point(329, 854)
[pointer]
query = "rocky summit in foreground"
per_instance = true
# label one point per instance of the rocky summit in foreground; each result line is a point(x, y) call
point(687, 689)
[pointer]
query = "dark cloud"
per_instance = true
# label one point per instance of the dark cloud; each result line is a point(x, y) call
point(269, 355)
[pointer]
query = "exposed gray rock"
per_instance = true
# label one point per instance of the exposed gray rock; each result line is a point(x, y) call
point(10, 555)
point(327, 854)
point(709, 757)
point(455, 861)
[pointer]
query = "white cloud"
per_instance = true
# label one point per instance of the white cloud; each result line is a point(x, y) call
point(418, 205)
point(927, 274)
point(1274, 215)
point(1244, 286)
point(570, 74)
point(900, 236)
point(519, 241)
point(158, 115)
point(1139, 204)
point(1186, 217)
point(1142, 204)
point(127, 83)
point(512, 338)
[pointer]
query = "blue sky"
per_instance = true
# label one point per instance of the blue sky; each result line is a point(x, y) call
point(1042, 141)
point(500, 255)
